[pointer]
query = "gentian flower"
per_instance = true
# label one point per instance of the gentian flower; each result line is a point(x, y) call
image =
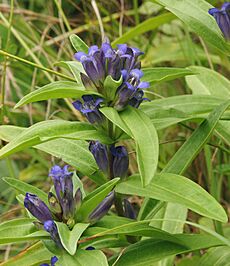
point(120, 161)
point(130, 92)
point(100, 154)
point(53, 260)
point(51, 228)
point(102, 208)
point(63, 185)
point(90, 108)
point(129, 210)
point(37, 207)
point(222, 18)
point(102, 62)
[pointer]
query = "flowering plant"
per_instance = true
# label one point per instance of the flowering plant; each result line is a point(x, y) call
point(111, 199)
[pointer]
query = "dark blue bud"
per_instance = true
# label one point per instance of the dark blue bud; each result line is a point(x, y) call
point(102, 208)
point(120, 161)
point(137, 99)
point(51, 228)
point(52, 262)
point(37, 207)
point(129, 210)
point(222, 18)
point(63, 185)
point(90, 109)
point(100, 154)
point(90, 248)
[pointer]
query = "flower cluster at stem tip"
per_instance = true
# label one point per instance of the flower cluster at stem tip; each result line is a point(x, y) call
point(64, 206)
point(119, 64)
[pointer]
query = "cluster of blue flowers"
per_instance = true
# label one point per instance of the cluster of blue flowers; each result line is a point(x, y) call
point(222, 18)
point(119, 64)
point(64, 205)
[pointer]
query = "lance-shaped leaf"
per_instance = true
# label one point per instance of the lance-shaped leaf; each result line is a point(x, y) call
point(78, 44)
point(146, 139)
point(73, 152)
point(178, 189)
point(55, 90)
point(162, 74)
point(49, 130)
point(20, 230)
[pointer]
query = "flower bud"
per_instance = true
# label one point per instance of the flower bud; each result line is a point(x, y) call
point(120, 161)
point(102, 208)
point(63, 185)
point(129, 210)
point(90, 109)
point(100, 154)
point(37, 207)
point(51, 228)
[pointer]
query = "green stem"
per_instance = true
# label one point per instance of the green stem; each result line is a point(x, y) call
point(36, 65)
point(63, 15)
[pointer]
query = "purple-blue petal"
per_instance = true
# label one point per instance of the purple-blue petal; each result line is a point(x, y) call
point(80, 56)
point(143, 85)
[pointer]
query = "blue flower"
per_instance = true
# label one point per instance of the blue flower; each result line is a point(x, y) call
point(63, 185)
point(53, 260)
point(102, 208)
point(37, 207)
point(100, 154)
point(222, 18)
point(130, 92)
point(120, 161)
point(90, 108)
point(51, 228)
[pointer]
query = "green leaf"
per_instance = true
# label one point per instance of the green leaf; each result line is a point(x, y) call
point(172, 110)
point(24, 188)
point(110, 87)
point(208, 82)
point(69, 238)
point(147, 25)
point(52, 129)
point(148, 251)
point(113, 115)
point(73, 152)
point(132, 228)
point(83, 258)
point(20, 230)
point(54, 90)
point(33, 255)
point(175, 188)
point(145, 136)
point(91, 201)
point(162, 74)
point(219, 256)
point(188, 151)
point(78, 44)
point(195, 15)
point(75, 68)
